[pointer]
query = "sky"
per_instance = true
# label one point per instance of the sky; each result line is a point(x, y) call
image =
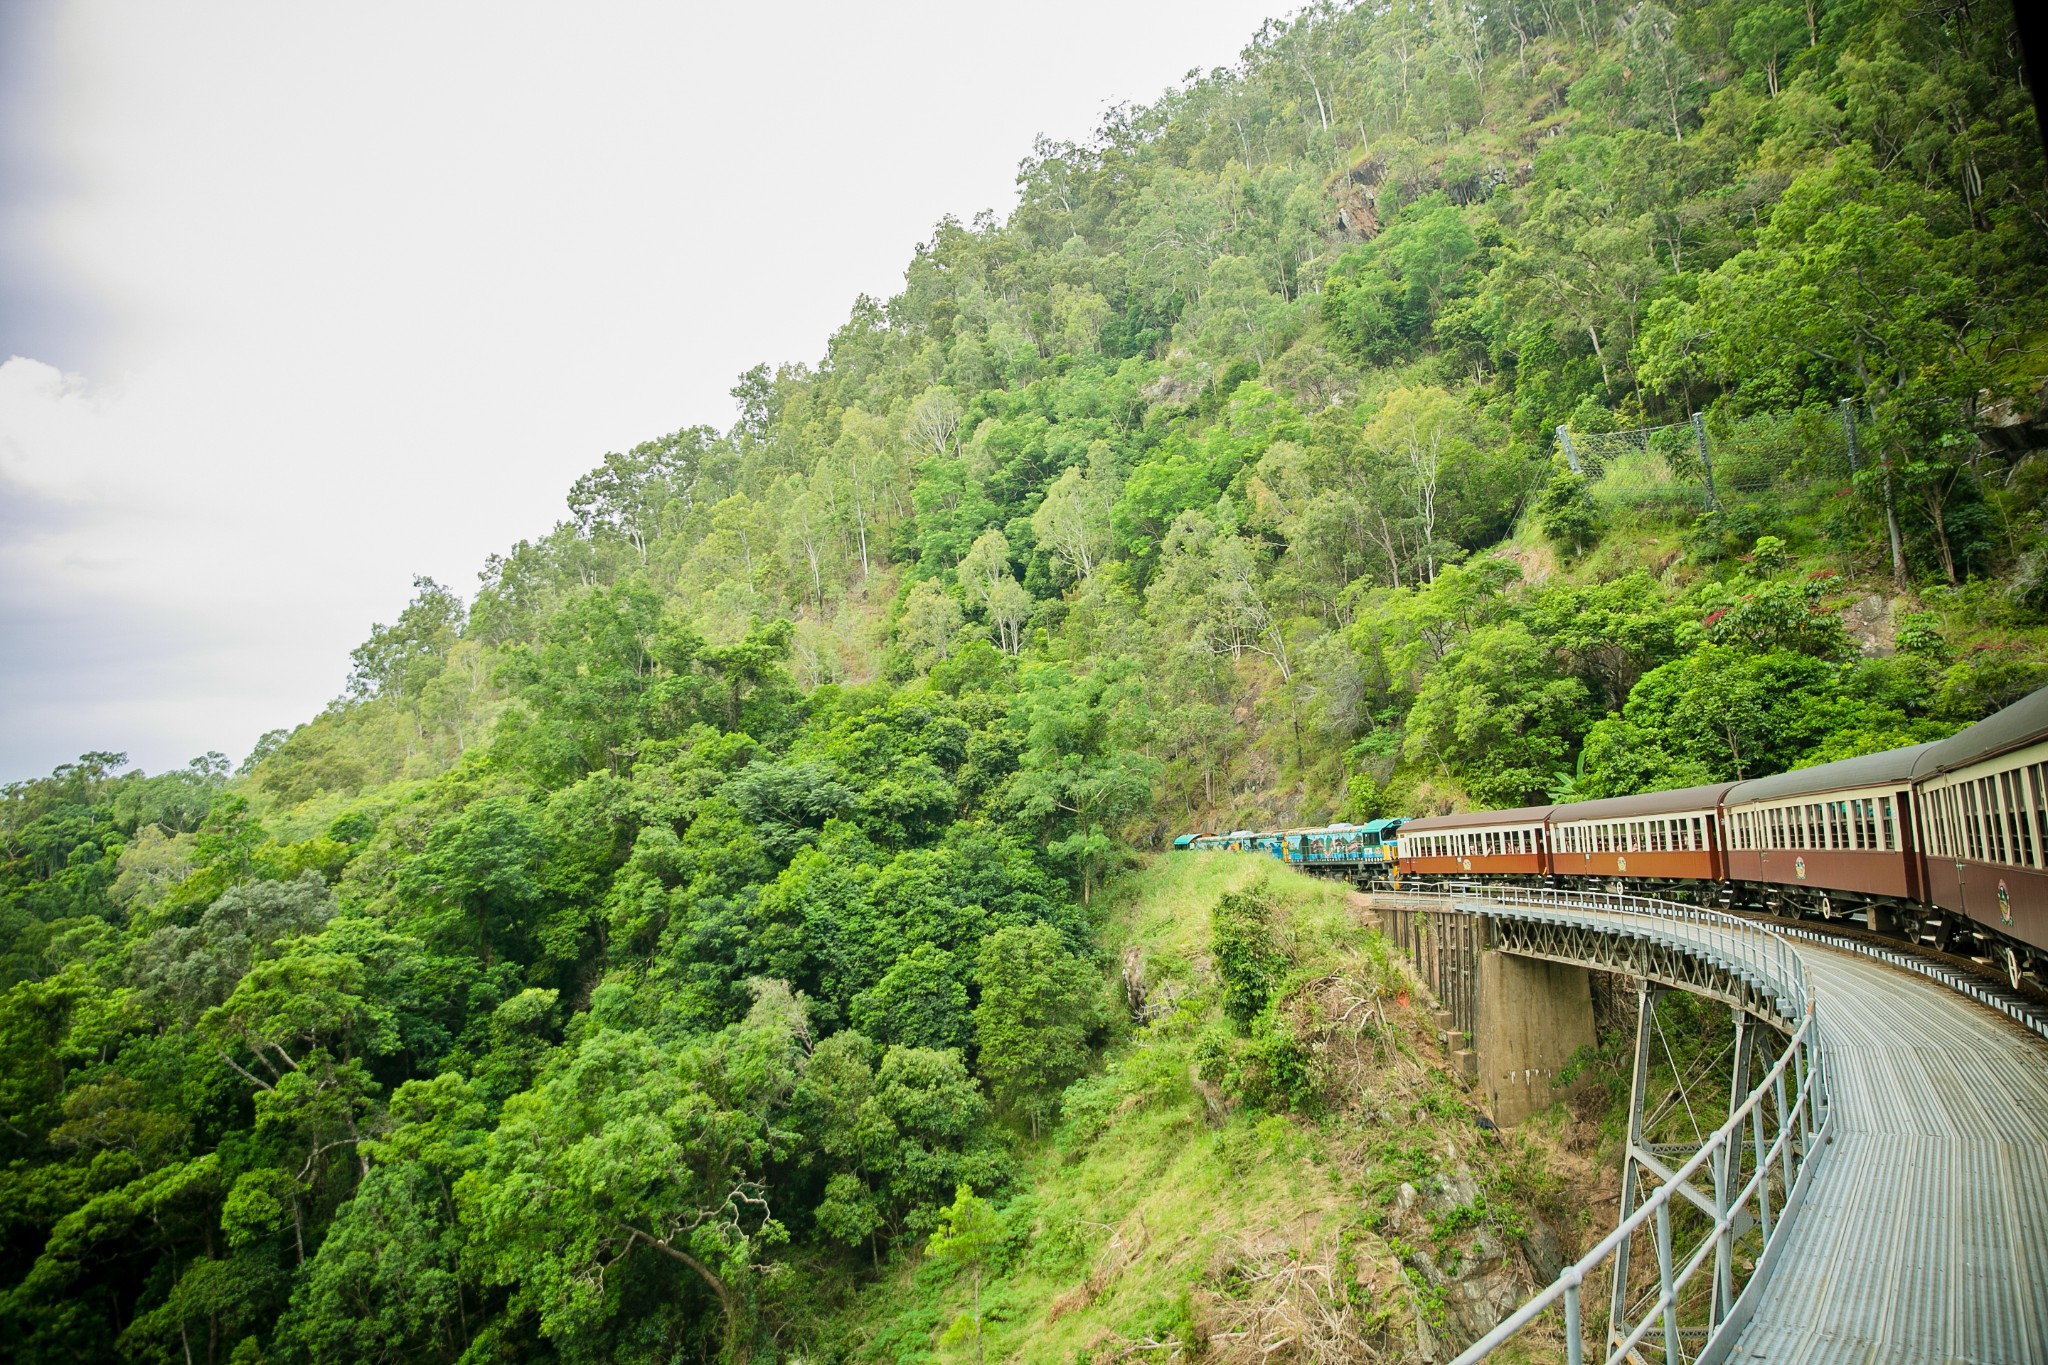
point(298, 301)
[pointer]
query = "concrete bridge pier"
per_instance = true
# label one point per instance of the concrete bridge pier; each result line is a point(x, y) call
point(1532, 1016)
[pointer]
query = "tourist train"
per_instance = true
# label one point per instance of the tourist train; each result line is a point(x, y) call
point(1944, 844)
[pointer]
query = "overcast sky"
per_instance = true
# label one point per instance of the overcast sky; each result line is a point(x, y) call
point(305, 299)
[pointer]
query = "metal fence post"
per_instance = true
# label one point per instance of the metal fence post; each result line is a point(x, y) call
point(1571, 457)
point(1699, 436)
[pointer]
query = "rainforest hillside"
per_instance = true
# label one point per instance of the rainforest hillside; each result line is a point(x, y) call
point(652, 948)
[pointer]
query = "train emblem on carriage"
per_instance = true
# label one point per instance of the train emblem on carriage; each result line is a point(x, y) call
point(1944, 844)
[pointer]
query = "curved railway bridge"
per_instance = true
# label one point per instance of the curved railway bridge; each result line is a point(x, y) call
point(1856, 1169)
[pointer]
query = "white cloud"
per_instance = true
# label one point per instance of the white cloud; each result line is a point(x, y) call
point(380, 280)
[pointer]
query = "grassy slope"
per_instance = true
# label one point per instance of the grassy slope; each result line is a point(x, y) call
point(1153, 1218)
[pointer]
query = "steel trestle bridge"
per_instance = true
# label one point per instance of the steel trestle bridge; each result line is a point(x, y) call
point(1877, 1189)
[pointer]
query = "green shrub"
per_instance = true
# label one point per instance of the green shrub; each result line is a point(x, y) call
point(1248, 959)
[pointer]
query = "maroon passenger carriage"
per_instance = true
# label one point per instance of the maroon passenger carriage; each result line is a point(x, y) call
point(1665, 843)
point(1493, 843)
point(1836, 839)
point(1981, 798)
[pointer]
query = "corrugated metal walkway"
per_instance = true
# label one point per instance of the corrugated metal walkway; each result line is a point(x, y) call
point(1924, 1236)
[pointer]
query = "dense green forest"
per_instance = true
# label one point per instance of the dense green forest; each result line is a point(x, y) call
point(705, 918)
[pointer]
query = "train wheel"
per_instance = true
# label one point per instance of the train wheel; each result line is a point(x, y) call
point(1827, 906)
point(2012, 968)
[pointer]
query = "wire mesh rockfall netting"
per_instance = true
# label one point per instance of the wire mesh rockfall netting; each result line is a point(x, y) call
point(1705, 460)
point(1646, 465)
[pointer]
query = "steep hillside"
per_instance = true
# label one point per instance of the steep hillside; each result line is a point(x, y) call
point(1447, 404)
point(1322, 1195)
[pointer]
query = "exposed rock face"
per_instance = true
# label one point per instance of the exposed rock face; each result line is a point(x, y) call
point(1869, 623)
point(2014, 428)
point(1468, 1281)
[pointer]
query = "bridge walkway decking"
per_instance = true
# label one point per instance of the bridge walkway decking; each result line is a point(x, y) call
point(1925, 1231)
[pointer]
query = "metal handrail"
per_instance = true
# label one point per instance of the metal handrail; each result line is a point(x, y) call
point(1779, 1155)
point(1802, 1128)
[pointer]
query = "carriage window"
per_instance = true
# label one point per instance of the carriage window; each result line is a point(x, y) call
point(2037, 777)
point(1995, 807)
point(1994, 836)
point(1884, 806)
point(1973, 836)
point(1994, 832)
point(2019, 838)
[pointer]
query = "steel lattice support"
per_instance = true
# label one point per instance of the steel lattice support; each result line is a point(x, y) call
point(1708, 1198)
